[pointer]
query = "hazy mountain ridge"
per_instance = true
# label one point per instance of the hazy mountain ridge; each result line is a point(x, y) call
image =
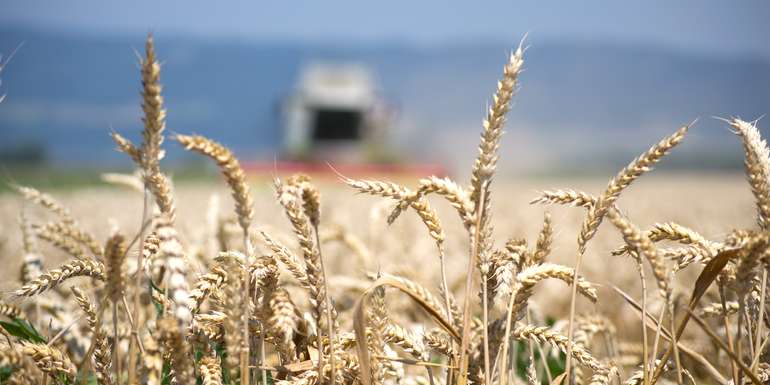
point(66, 92)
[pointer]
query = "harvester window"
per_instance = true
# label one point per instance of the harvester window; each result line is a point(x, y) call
point(337, 124)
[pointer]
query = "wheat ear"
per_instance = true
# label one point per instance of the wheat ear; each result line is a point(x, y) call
point(177, 350)
point(64, 243)
point(68, 233)
point(32, 265)
point(10, 311)
point(622, 180)
point(638, 240)
point(544, 241)
point(671, 231)
point(33, 195)
point(115, 255)
point(52, 278)
point(170, 251)
point(283, 319)
point(211, 371)
point(235, 308)
point(757, 162)
point(481, 177)
point(231, 169)
point(101, 350)
point(236, 179)
point(542, 334)
point(486, 161)
point(152, 136)
point(50, 360)
point(207, 284)
point(292, 263)
point(606, 201)
point(565, 197)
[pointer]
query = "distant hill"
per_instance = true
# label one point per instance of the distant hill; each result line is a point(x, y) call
point(65, 92)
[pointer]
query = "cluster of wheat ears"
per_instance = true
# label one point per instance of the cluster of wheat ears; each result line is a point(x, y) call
point(262, 312)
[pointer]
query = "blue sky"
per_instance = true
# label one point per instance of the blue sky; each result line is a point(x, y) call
point(722, 27)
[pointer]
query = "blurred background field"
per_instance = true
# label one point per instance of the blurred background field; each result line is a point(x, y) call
point(602, 80)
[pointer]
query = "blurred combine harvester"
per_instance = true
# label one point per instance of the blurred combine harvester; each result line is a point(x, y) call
point(335, 116)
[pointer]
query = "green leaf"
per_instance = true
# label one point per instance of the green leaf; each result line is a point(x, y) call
point(23, 330)
point(5, 373)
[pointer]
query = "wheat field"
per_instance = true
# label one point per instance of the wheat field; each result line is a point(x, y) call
point(293, 280)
